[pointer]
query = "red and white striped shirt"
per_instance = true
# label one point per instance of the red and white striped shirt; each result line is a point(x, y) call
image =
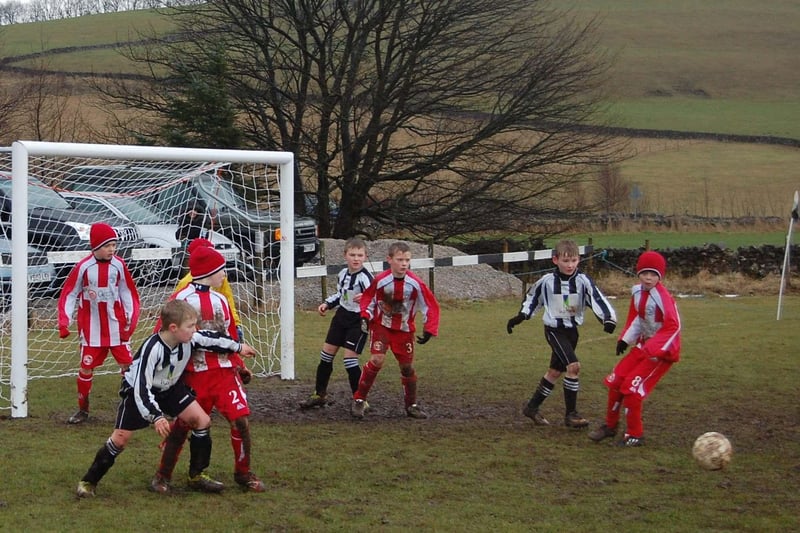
point(215, 316)
point(106, 298)
point(393, 302)
point(654, 323)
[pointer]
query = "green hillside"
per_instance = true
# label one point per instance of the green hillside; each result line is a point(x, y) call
point(726, 66)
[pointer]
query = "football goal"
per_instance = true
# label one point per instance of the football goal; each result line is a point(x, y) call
point(157, 199)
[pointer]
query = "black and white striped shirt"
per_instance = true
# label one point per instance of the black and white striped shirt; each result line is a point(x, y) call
point(564, 299)
point(157, 367)
point(347, 286)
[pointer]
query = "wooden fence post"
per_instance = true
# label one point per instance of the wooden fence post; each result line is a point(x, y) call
point(323, 280)
point(431, 274)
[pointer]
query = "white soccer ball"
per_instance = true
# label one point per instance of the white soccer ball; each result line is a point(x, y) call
point(712, 451)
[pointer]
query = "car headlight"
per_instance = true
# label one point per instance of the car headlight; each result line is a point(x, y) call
point(81, 228)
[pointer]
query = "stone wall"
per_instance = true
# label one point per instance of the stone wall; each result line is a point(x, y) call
point(752, 261)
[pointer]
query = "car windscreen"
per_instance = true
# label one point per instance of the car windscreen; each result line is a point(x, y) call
point(217, 193)
point(135, 210)
point(39, 194)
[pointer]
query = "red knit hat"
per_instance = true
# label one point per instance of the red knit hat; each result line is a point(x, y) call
point(652, 261)
point(199, 243)
point(204, 261)
point(101, 234)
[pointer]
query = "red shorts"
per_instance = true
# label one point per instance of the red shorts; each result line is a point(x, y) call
point(94, 356)
point(401, 343)
point(636, 373)
point(219, 388)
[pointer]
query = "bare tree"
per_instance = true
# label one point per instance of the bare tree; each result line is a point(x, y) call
point(437, 117)
point(613, 189)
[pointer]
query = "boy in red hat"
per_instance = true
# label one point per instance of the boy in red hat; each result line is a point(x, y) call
point(216, 378)
point(653, 328)
point(103, 290)
point(224, 289)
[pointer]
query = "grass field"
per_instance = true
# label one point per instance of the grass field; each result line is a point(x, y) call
point(477, 464)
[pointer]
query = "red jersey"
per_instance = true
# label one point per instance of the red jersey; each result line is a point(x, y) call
point(215, 316)
point(653, 321)
point(106, 299)
point(393, 302)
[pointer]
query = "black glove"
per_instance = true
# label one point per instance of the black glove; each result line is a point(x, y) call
point(621, 347)
point(517, 320)
point(365, 326)
point(245, 374)
point(609, 326)
point(426, 336)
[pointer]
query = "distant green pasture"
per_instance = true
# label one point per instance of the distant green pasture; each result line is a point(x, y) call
point(742, 117)
point(108, 28)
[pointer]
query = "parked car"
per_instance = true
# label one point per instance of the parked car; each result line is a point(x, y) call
point(55, 226)
point(175, 192)
point(40, 273)
point(153, 228)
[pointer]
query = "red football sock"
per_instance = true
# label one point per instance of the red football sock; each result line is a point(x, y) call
point(613, 408)
point(241, 452)
point(84, 388)
point(368, 375)
point(633, 419)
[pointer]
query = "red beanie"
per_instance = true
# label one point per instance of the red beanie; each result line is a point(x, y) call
point(652, 261)
point(204, 261)
point(199, 243)
point(101, 234)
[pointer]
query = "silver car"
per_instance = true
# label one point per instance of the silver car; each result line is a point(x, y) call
point(154, 230)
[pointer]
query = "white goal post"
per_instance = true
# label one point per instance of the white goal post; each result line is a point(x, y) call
point(50, 162)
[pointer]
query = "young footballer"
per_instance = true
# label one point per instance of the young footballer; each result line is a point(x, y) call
point(388, 309)
point(653, 329)
point(151, 390)
point(564, 294)
point(216, 377)
point(104, 293)
point(345, 328)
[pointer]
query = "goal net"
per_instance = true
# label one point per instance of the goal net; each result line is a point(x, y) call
point(157, 200)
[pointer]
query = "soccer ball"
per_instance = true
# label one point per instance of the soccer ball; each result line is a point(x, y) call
point(712, 451)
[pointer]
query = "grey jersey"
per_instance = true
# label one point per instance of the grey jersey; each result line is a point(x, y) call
point(157, 367)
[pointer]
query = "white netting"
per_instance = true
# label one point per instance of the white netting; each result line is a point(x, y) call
point(156, 207)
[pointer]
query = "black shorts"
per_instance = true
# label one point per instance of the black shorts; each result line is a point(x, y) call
point(345, 331)
point(563, 341)
point(172, 402)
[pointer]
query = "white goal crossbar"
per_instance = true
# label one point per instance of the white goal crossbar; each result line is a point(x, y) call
point(23, 150)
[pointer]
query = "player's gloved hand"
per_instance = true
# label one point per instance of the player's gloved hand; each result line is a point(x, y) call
point(621, 347)
point(609, 326)
point(364, 326)
point(63, 332)
point(516, 321)
point(426, 336)
point(245, 374)
point(240, 333)
point(125, 336)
